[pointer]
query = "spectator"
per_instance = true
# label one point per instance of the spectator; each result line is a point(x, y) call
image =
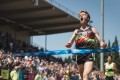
point(14, 74)
point(110, 68)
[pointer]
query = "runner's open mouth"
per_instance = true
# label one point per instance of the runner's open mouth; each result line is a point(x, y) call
point(81, 18)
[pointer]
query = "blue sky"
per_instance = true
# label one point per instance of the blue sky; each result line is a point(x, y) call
point(111, 22)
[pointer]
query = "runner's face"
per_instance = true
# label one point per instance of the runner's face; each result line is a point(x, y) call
point(83, 17)
point(109, 59)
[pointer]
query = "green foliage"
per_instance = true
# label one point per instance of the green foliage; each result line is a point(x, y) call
point(60, 59)
point(115, 55)
point(109, 44)
point(68, 60)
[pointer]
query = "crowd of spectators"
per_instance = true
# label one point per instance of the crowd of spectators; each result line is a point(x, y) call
point(34, 67)
point(40, 68)
point(11, 44)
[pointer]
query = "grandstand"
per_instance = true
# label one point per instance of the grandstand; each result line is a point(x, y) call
point(23, 19)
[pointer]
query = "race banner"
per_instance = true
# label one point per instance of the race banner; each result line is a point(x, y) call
point(68, 51)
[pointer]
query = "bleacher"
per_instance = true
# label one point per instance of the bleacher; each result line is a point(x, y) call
point(21, 19)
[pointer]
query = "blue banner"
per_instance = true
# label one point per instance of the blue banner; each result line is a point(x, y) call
point(69, 51)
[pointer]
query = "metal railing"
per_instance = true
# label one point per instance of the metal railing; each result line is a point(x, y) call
point(58, 5)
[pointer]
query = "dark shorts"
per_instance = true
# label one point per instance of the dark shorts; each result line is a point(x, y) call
point(82, 58)
point(109, 78)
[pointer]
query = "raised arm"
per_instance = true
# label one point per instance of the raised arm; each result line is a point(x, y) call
point(72, 39)
point(102, 44)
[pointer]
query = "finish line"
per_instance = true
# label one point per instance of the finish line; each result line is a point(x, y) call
point(68, 51)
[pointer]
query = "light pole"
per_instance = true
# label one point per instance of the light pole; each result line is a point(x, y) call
point(102, 26)
point(45, 42)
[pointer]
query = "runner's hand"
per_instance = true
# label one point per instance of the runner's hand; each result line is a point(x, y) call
point(103, 45)
point(68, 45)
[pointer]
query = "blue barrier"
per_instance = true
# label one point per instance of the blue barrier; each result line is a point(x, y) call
point(69, 51)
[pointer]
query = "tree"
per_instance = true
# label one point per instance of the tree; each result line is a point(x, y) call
point(65, 60)
point(116, 56)
point(68, 60)
point(60, 59)
point(115, 43)
point(109, 44)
